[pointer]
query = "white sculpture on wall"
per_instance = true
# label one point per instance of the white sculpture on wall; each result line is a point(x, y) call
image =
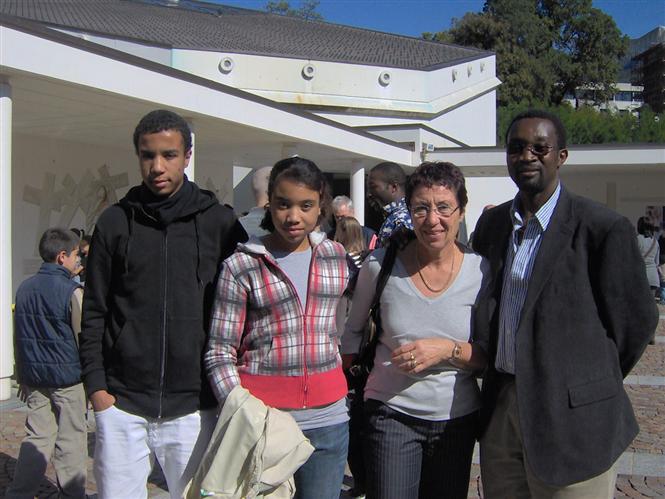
point(90, 194)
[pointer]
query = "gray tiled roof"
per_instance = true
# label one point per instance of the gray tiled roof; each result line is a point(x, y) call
point(205, 26)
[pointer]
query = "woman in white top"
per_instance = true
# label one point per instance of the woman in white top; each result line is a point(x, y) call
point(422, 398)
point(650, 251)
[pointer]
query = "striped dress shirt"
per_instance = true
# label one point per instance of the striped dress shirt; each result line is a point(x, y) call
point(520, 257)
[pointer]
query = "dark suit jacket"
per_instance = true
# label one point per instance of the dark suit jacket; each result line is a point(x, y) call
point(587, 319)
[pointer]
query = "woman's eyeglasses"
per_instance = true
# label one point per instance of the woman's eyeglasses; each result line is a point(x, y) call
point(442, 210)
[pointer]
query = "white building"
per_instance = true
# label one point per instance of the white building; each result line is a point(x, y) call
point(76, 76)
point(626, 99)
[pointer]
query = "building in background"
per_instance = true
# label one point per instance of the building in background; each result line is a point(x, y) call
point(648, 68)
point(627, 99)
point(641, 79)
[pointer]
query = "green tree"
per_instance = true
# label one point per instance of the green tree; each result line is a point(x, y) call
point(587, 125)
point(651, 126)
point(307, 9)
point(545, 48)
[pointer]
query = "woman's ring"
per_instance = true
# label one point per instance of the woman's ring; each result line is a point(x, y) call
point(412, 357)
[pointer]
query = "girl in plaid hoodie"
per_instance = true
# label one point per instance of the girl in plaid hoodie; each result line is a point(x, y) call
point(273, 325)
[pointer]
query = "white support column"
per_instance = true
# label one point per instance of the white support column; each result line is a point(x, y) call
point(358, 190)
point(6, 315)
point(190, 171)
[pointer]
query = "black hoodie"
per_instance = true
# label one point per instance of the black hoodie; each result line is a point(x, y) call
point(150, 282)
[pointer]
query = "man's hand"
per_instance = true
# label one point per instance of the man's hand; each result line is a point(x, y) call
point(101, 400)
point(23, 393)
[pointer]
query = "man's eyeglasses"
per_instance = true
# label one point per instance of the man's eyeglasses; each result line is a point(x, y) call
point(517, 147)
point(442, 210)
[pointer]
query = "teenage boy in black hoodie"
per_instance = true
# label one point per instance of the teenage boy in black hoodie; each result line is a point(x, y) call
point(150, 281)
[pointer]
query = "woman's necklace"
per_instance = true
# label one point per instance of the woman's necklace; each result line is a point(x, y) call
point(422, 277)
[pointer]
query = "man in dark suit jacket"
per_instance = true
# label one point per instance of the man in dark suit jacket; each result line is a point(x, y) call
point(567, 316)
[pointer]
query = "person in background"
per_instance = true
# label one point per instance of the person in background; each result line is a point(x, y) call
point(273, 327)
point(386, 188)
point(421, 397)
point(567, 316)
point(47, 322)
point(350, 235)
point(252, 221)
point(151, 274)
point(342, 206)
point(84, 248)
point(648, 245)
point(76, 273)
point(661, 268)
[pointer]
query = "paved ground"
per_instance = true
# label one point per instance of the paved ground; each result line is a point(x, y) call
point(642, 467)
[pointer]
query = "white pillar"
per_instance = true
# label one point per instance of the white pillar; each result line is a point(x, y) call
point(6, 315)
point(190, 171)
point(358, 190)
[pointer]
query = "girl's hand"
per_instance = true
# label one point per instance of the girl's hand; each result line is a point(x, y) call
point(422, 354)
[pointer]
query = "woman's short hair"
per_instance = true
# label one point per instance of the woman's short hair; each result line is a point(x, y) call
point(431, 173)
point(56, 240)
point(300, 171)
point(645, 227)
point(349, 233)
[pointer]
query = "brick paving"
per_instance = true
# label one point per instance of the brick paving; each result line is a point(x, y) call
point(648, 446)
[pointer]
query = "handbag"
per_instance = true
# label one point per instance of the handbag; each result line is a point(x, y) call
point(363, 363)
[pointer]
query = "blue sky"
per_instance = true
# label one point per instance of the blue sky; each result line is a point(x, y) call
point(413, 17)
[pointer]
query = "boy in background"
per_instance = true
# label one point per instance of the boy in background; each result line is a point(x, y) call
point(47, 322)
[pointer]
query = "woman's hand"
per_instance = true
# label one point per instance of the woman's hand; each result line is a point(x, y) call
point(422, 354)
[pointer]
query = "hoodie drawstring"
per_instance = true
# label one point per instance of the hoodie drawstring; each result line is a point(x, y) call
point(198, 248)
point(129, 239)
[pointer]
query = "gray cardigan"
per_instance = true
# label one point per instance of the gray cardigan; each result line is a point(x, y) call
point(650, 252)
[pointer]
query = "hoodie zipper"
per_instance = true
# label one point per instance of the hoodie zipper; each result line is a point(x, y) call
point(162, 368)
point(304, 322)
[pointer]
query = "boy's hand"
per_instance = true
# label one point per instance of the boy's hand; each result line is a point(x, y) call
point(101, 400)
point(23, 393)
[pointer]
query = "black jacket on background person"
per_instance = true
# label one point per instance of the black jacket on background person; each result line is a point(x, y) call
point(150, 282)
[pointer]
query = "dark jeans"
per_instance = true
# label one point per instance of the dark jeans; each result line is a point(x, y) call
point(411, 458)
point(322, 474)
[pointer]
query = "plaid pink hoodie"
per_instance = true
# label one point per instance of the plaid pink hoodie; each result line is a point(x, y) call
point(260, 336)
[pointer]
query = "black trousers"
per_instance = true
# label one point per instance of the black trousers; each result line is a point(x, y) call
point(357, 430)
point(413, 458)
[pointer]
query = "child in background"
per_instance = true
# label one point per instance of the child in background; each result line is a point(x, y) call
point(47, 323)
